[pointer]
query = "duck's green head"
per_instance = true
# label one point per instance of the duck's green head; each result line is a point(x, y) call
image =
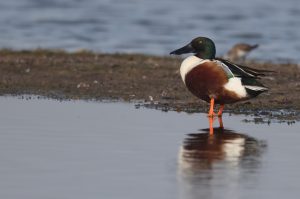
point(202, 47)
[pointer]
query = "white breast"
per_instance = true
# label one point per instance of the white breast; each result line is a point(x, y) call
point(241, 53)
point(188, 64)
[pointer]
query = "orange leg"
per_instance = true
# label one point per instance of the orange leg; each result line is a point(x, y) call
point(221, 110)
point(220, 122)
point(211, 127)
point(211, 109)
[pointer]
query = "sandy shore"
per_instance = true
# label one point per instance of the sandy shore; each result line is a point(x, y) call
point(148, 80)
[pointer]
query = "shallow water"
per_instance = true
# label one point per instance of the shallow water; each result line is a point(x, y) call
point(78, 149)
point(152, 27)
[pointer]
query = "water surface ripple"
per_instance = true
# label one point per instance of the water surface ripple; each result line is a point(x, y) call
point(79, 149)
point(152, 27)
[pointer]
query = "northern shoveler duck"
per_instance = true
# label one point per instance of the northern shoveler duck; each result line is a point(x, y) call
point(215, 80)
point(239, 51)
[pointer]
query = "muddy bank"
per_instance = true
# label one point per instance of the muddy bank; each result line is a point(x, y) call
point(148, 80)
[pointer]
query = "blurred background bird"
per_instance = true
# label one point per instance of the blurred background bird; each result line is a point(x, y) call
point(239, 52)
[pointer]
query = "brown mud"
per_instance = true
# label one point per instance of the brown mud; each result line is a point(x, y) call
point(149, 81)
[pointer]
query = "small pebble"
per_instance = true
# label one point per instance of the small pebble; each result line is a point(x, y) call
point(150, 98)
point(83, 85)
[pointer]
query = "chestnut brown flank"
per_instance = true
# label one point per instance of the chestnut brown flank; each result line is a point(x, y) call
point(207, 80)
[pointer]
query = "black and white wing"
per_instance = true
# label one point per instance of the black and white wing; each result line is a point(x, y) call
point(248, 76)
point(243, 71)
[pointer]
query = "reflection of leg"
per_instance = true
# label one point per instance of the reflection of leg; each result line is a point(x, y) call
point(211, 109)
point(221, 110)
point(211, 125)
point(220, 122)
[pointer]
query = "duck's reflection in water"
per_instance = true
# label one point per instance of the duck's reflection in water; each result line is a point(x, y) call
point(218, 159)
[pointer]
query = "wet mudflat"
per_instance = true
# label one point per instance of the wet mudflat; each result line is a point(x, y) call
point(152, 80)
point(80, 149)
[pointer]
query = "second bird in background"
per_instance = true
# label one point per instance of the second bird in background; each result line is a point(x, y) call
point(239, 52)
